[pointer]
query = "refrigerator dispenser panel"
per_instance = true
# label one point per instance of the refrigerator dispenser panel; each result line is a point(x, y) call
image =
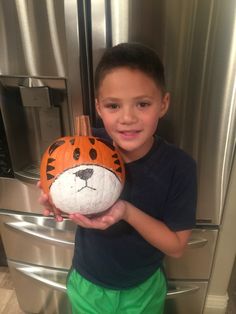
point(35, 112)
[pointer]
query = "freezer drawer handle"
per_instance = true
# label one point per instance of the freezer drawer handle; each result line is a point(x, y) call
point(42, 275)
point(176, 291)
point(36, 231)
point(37, 273)
point(197, 242)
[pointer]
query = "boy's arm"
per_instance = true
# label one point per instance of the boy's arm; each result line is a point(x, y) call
point(152, 230)
point(156, 232)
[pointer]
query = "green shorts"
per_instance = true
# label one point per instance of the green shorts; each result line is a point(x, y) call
point(88, 298)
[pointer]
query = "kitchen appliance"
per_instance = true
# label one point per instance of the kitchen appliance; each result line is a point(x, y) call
point(49, 51)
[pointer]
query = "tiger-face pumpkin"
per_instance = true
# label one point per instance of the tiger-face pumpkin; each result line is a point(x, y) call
point(82, 174)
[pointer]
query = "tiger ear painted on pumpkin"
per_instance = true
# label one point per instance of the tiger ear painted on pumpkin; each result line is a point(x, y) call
point(67, 159)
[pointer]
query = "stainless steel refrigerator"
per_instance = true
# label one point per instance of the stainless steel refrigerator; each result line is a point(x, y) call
point(49, 50)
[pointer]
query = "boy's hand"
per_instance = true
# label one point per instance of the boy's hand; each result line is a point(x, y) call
point(111, 216)
point(49, 208)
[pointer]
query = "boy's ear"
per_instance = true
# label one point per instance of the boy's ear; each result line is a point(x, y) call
point(165, 104)
point(97, 107)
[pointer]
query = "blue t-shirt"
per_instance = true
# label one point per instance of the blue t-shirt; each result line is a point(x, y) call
point(163, 185)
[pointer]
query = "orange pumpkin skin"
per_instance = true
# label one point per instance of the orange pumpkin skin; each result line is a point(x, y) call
point(81, 154)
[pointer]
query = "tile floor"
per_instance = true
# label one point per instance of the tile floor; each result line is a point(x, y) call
point(8, 300)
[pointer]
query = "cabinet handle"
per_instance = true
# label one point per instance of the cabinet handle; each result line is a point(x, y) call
point(43, 275)
point(178, 290)
point(197, 242)
point(51, 278)
point(36, 231)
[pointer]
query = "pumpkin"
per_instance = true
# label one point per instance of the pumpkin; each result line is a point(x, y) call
point(82, 174)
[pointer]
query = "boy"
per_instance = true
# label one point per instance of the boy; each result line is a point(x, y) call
point(117, 264)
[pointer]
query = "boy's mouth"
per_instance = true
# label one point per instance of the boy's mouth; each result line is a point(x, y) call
point(129, 133)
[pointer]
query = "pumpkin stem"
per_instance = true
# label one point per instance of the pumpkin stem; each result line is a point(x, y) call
point(83, 127)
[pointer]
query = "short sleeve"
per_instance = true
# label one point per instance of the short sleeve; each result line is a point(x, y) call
point(180, 207)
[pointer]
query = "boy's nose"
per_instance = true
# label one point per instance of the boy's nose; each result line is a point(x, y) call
point(128, 116)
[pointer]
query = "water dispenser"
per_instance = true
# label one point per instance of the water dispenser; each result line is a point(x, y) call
point(35, 111)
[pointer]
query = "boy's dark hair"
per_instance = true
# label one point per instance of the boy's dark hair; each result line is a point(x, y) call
point(134, 56)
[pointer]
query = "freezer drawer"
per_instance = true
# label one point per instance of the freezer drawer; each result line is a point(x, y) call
point(40, 289)
point(42, 241)
point(197, 260)
point(47, 290)
point(185, 297)
point(37, 239)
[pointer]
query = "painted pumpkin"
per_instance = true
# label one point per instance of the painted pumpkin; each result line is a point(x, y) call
point(82, 174)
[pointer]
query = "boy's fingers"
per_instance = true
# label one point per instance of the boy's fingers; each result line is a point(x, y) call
point(47, 212)
point(49, 209)
point(39, 185)
point(56, 211)
point(45, 203)
point(58, 218)
point(89, 223)
point(43, 197)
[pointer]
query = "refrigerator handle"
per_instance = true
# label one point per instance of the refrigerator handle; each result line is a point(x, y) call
point(181, 290)
point(36, 231)
point(197, 242)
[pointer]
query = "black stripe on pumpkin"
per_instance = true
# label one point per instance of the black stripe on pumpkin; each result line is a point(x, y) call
point(50, 168)
point(55, 145)
point(119, 170)
point(50, 160)
point(117, 162)
point(49, 176)
point(72, 141)
point(92, 140)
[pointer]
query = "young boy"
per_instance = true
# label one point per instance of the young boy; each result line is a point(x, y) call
point(117, 264)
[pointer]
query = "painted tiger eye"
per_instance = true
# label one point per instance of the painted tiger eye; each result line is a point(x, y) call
point(93, 154)
point(76, 153)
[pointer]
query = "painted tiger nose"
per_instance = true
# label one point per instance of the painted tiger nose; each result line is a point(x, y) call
point(84, 174)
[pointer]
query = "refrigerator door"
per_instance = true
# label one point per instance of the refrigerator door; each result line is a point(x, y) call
point(196, 41)
point(37, 240)
point(33, 38)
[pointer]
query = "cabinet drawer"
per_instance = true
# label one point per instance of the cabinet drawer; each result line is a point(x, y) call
point(45, 286)
point(185, 297)
point(197, 260)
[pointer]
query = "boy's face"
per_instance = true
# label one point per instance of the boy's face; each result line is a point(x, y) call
point(130, 104)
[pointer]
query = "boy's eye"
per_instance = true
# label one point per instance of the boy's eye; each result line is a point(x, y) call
point(143, 104)
point(112, 106)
